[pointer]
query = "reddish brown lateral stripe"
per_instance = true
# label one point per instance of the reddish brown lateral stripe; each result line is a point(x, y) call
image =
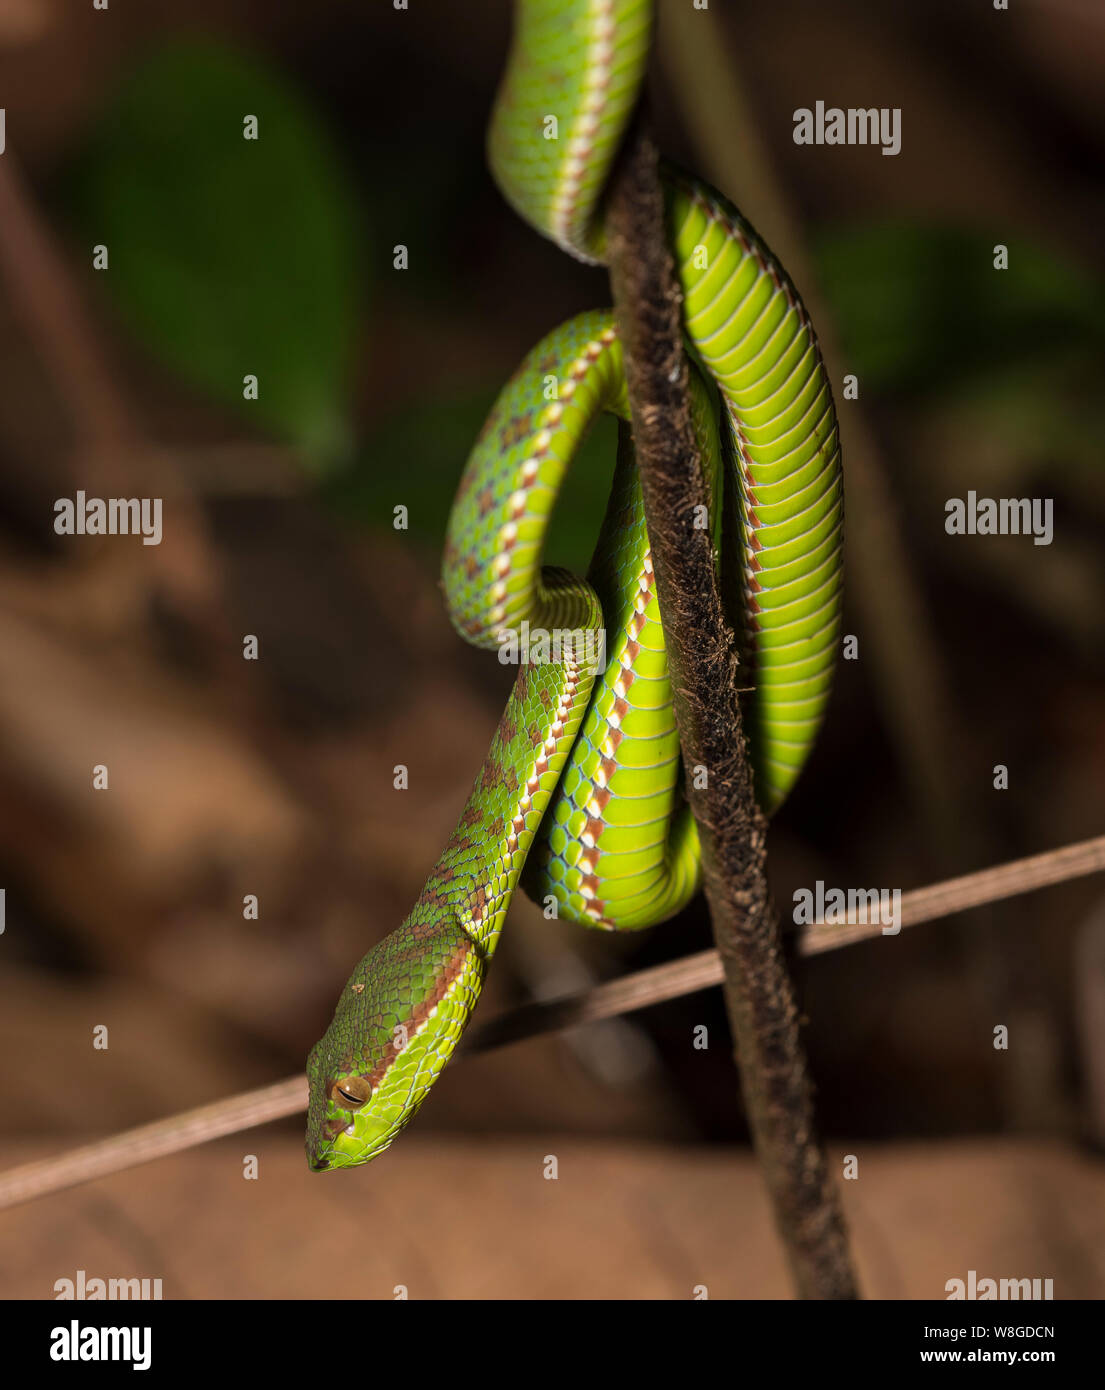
point(450, 973)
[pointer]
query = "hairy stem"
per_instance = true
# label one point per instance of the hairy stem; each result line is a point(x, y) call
point(759, 994)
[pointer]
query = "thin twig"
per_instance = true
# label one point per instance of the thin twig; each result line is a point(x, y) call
point(637, 991)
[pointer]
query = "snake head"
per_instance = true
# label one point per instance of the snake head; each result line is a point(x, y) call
point(397, 1023)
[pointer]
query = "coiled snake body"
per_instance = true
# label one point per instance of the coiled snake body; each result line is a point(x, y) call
point(581, 786)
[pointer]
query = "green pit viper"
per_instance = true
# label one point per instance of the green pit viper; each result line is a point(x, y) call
point(580, 796)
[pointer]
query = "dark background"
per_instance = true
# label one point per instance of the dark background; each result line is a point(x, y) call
point(275, 777)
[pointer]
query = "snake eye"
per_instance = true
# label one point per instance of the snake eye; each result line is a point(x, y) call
point(351, 1093)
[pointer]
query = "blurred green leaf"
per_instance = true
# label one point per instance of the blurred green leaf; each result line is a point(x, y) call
point(416, 456)
point(230, 256)
point(921, 307)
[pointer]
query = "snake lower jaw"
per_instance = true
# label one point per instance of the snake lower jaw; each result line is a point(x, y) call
point(350, 1150)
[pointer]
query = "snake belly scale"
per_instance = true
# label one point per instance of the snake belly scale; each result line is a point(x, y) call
point(580, 796)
